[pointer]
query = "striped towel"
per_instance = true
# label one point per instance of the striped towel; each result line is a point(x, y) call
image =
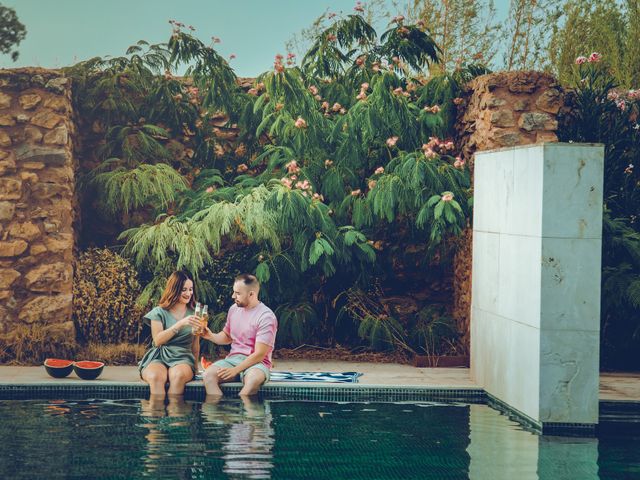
point(326, 377)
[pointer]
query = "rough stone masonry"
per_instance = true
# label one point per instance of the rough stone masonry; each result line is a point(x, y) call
point(36, 201)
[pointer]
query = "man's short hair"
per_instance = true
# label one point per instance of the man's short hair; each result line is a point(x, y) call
point(249, 280)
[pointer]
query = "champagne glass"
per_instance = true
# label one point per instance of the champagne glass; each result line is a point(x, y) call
point(197, 313)
point(205, 319)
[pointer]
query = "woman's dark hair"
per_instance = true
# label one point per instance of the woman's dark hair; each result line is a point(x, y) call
point(173, 290)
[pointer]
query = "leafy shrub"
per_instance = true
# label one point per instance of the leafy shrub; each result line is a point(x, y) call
point(104, 295)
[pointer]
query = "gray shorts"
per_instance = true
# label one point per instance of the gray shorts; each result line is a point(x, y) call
point(237, 359)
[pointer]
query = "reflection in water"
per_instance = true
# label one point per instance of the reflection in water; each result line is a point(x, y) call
point(247, 449)
point(230, 439)
point(184, 441)
point(500, 449)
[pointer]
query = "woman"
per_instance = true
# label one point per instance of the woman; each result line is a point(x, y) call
point(174, 350)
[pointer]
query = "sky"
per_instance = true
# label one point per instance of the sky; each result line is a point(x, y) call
point(63, 32)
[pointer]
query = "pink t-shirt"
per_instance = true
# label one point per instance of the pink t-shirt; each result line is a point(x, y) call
point(246, 326)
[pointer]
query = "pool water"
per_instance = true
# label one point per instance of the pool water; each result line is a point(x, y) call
point(232, 439)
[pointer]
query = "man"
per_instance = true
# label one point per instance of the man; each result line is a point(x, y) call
point(251, 330)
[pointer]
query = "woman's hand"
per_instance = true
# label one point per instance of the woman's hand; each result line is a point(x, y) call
point(193, 321)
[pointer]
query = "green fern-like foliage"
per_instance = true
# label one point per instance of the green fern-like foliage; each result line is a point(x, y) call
point(122, 190)
point(296, 323)
point(382, 333)
point(433, 331)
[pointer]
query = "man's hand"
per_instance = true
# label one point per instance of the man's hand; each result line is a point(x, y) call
point(227, 374)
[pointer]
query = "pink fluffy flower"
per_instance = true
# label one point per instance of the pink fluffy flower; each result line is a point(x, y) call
point(629, 169)
point(331, 37)
point(336, 107)
point(361, 96)
point(459, 163)
point(364, 86)
point(391, 141)
point(447, 197)
point(371, 184)
point(209, 189)
point(286, 182)
point(328, 163)
point(232, 56)
point(313, 89)
point(595, 57)
point(356, 192)
point(359, 7)
point(300, 123)
point(430, 154)
point(292, 167)
point(397, 19)
point(379, 171)
point(580, 60)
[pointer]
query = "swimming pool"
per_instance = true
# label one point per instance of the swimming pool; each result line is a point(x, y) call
point(293, 439)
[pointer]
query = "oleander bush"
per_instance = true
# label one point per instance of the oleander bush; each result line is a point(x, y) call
point(604, 113)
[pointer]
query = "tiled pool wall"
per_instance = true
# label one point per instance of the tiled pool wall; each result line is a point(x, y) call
point(337, 393)
point(613, 414)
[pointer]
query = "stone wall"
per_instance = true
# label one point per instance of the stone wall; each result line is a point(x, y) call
point(36, 201)
point(501, 110)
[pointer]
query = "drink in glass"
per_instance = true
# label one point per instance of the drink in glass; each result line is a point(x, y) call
point(205, 319)
point(197, 313)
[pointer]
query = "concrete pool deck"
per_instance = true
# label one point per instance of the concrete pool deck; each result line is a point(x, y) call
point(613, 386)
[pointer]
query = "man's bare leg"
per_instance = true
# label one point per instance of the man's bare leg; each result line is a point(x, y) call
point(253, 380)
point(211, 381)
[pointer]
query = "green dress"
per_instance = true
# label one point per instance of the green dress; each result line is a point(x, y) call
point(175, 351)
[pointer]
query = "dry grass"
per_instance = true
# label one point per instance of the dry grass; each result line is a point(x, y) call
point(27, 345)
point(118, 354)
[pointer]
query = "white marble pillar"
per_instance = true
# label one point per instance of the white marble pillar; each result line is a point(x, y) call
point(535, 315)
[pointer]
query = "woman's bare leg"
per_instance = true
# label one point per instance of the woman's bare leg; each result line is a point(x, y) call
point(179, 375)
point(155, 374)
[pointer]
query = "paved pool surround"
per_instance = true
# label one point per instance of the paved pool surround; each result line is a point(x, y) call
point(535, 317)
